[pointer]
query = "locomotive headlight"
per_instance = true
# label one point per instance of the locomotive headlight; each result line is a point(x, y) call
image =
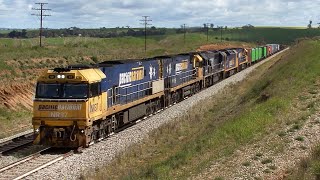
point(82, 131)
point(37, 130)
point(61, 76)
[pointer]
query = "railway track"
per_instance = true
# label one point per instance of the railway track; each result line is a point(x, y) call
point(16, 143)
point(32, 163)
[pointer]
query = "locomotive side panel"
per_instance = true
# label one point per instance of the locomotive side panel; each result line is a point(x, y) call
point(128, 82)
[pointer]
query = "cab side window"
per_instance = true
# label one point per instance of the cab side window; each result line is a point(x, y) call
point(95, 89)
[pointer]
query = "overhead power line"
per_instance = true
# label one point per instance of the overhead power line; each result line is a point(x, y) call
point(145, 21)
point(41, 15)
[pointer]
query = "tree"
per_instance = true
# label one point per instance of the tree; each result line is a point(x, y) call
point(310, 24)
point(24, 33)
point(248, 26)
point(211, 26)
point(13, 34)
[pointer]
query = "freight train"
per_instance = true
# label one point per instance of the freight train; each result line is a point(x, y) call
point(78, 105)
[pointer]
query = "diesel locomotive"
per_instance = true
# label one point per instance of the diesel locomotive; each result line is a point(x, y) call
point(78, 105)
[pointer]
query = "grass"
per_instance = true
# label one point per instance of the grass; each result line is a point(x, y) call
point(308, 168)
point(218, 126)
point(281, 35)
point(266, 161)
point(299, 138)
point(13, 122)
point(247, 163)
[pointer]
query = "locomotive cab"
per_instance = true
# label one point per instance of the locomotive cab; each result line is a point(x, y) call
point(66, 103)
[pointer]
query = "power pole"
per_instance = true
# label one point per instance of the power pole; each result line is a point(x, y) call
point(207, 26)
point(145, 23)
point(41, 15)
point(184, 33)
point(221, 33)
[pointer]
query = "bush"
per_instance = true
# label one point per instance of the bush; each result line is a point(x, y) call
point(299, 138)
point(95, 59)
point(316, 169)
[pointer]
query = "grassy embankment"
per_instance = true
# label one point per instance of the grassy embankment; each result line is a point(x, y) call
point(267, 34)
point(279, 93)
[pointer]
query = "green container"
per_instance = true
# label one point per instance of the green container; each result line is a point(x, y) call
point(260, 53)
point(265, 52)
point(257, 54)
point(253, 55)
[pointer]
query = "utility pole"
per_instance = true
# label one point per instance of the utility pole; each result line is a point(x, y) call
point(41, 15)
point(207, 26)
point(145, 23)
point(184, 33)
point(221, 33)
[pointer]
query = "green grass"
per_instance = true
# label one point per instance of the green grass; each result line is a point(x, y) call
point(12, 122)
point(281, 35)
point(220, 125)
point(247, 163)
point(308, 168)
point(299, 138)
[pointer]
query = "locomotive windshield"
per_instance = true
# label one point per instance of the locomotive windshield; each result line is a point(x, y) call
point(62, 91)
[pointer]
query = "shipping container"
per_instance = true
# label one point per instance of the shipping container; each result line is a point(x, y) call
point(249, 55)
point(257, 54)
point(260, 53)
point(269, 50)
point(253, 54)
point(265, 51)
point(274, 48)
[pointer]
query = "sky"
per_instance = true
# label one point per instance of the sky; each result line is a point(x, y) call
point(163, 13)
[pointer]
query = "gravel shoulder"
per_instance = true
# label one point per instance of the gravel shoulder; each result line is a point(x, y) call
point(105, 151)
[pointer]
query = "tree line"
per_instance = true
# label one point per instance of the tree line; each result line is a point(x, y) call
point(74, 31)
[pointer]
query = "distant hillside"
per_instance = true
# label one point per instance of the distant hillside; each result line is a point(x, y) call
point(281, 35)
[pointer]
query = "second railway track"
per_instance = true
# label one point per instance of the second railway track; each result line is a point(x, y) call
point(30, 164)
point(16, 143)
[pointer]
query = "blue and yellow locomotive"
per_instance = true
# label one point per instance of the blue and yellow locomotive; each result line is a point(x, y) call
point(78, 105)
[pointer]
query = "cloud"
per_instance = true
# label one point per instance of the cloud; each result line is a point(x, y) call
point(164, 13)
